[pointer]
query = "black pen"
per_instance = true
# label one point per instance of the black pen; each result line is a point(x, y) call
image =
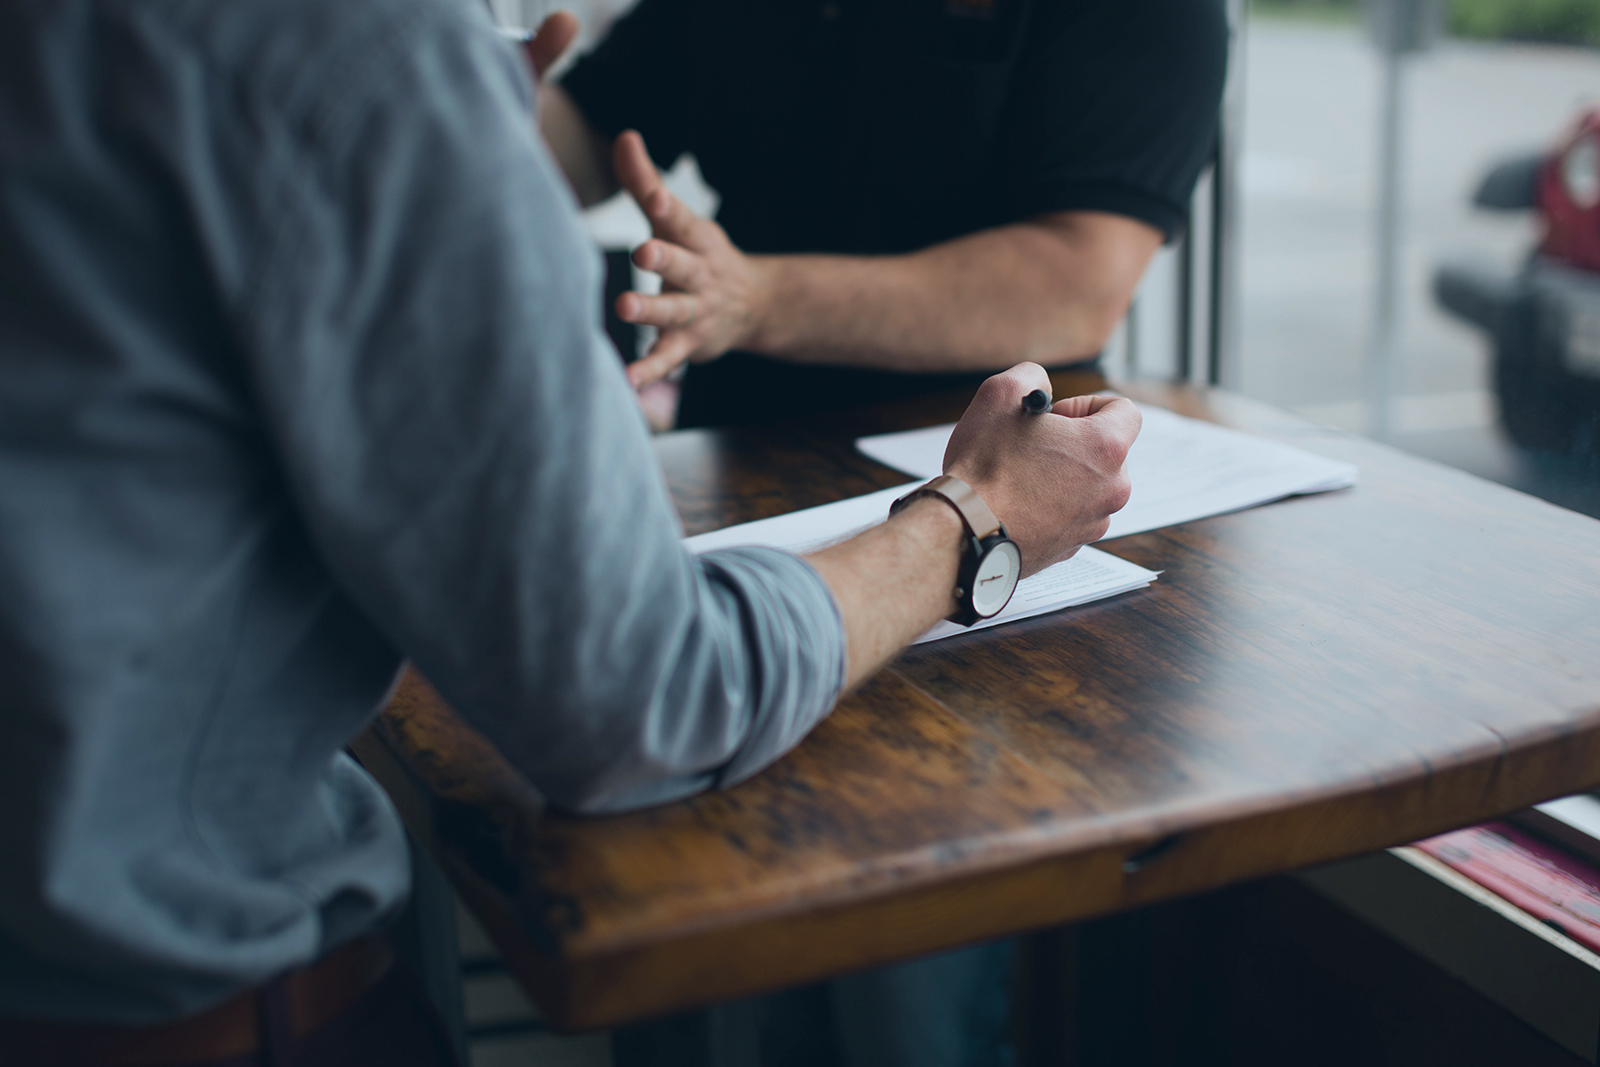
point(1036, 402)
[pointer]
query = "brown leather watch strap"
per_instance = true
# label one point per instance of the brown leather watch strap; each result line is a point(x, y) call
point(980, 521)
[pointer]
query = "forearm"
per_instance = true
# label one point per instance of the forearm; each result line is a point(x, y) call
point(1050, 291)
point(893, 582)
point(583, 153)
point(757, 666)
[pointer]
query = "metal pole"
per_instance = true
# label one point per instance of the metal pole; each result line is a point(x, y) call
point(1383, 348)
point(1186, 305)
point(1221, 243)
point(1130, 345)
point(1223, 364)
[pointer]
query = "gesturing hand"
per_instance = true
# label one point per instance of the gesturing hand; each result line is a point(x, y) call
point(711, 292)
point(1054, 479)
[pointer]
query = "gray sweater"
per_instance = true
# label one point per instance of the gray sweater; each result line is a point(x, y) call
point(301, 373)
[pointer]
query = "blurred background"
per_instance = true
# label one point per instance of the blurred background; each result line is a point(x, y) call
point(1508, 77)
point(1299, 273)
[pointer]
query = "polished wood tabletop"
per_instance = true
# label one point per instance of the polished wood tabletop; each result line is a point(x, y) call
point(1308, 680)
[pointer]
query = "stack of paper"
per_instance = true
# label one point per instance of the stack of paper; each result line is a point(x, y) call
point(1090, 575)
point(1182, 469)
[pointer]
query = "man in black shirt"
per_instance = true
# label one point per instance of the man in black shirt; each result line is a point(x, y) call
point(914, 192)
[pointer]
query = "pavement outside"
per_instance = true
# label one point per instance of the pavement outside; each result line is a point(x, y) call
point(1307, 229)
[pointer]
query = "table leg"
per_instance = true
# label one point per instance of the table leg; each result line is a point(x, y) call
point(726, 1035)
point(425, 937)
point(1113, 987)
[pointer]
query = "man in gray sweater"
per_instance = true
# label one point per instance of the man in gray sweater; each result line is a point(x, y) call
point(301, 375)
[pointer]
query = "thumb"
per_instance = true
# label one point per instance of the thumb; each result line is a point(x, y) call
point(1077, 407)
point(555, 35)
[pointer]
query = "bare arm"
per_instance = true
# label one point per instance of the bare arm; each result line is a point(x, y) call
point(893, 582)
point(1053, 479)
point(583, 152)
point(1049, 289)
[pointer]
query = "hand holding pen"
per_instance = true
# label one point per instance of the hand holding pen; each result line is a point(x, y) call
point(1038, 402)
point(1054, 482)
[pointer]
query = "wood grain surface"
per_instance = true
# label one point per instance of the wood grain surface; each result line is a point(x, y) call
point(1308, 680)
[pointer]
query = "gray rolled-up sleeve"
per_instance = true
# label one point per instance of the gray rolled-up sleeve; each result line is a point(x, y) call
point(790, 612)
point(424, 339)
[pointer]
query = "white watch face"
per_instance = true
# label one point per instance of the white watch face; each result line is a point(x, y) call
point(997, 577)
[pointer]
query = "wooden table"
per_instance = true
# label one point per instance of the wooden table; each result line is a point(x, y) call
point(1306, 681)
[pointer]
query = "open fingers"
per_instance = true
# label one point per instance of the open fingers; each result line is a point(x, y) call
point(554, 36)
point(669, 217)
point(664, 356)
point(632, 163)
point(666, 310)
point(677, 266)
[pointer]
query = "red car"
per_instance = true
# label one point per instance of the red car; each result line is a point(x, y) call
point(1544, 321)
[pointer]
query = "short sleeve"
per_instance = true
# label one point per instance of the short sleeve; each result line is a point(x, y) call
point(635, 78)
point(1114, 108)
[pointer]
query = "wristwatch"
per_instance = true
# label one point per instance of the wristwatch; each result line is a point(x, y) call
point(990, 560)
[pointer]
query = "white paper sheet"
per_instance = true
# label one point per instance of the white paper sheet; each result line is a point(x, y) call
point(1182, 469)
point(1090, 575)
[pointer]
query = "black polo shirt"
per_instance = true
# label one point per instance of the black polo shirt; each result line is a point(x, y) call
point(884, 126)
